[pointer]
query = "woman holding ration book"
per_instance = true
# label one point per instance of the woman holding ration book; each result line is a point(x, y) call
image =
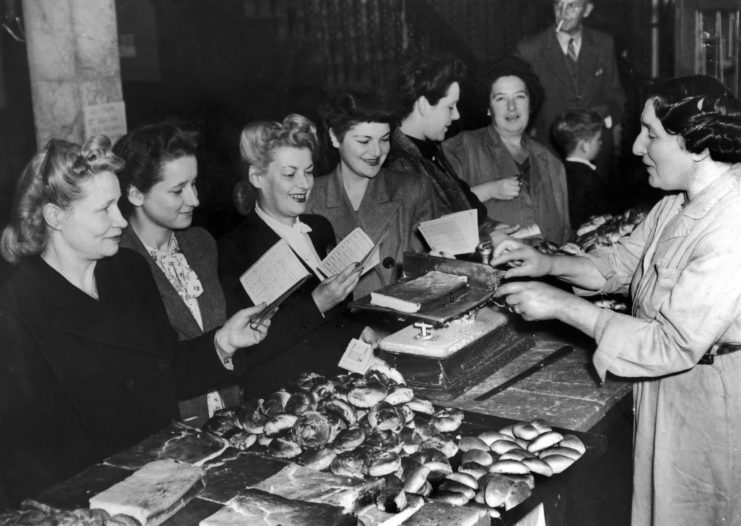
point(158, 183)
point(681, 268)
point(89, 364)
point(360, 193)
point(309, 330)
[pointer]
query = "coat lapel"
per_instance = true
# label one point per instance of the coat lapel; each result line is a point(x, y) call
point(588, 60)
point(556, 60)
point(85, 317)
point(210, 303)
point(181, 318)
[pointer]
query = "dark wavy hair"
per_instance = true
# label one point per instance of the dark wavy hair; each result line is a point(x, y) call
point(509, 66)
point(703, 112)
point(145, 151)
point(345, 108)
point(53, 176)
point(429, 75)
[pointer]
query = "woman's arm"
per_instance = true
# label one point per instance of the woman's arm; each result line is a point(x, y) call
point(525, 261)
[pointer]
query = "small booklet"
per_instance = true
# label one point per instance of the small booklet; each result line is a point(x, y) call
point(456, 233)
point(277, 271)
point(410, 296)
point(356, 247)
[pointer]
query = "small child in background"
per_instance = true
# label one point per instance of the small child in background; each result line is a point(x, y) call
point(578, 133)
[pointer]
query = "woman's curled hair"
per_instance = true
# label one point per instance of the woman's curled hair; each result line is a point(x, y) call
point(701, 110)
point(145, 150)
point(260, 139)
point(53, 176)
point(510, 66)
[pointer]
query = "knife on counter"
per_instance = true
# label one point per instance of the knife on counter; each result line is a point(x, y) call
point(551, 358)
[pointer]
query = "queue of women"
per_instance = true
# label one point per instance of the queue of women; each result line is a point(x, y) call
point(120, 316)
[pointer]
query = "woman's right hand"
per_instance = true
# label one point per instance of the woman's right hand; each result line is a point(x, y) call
point(523, 259)
point(502, 189)
point(333, 290)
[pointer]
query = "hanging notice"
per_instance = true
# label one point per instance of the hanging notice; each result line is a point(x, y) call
point(106, 119)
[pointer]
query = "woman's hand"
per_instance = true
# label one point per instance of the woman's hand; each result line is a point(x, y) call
point(502, 189)
point(534, 300)
point(237, 333)
point(524, 259)
point(332, 291)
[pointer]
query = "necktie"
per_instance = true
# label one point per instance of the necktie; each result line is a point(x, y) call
point(571, 57)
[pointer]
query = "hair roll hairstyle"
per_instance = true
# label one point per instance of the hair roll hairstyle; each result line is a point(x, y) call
point(260, 139)
point(145, 151)
point(428, 75)
point(53, 176)
point(343, 109)
point(510, 66)
point(703, 112)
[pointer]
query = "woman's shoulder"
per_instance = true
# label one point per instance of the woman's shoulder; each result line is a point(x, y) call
point(316, 221)
point(466, 138)
point(404, 183)
point(197, 235)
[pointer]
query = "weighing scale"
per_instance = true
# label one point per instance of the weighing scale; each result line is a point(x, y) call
point(447, 347)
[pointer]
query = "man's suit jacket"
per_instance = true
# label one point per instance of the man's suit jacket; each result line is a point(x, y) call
point(598, 86)
point(199, 249)
point(300, 338)
point(81, 379)
point(393, 201)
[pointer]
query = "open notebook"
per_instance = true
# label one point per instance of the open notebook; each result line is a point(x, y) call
point(456, 233)
point(279, 271)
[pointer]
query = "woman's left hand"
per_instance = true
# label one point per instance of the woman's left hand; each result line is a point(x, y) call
point(237, 332)
point(534, 300)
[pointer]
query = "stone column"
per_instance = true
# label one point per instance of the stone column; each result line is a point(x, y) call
point(73, 63)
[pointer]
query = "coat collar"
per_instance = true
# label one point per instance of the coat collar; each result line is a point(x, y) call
point(75, 312)
point(376, 210)
point(180, 316)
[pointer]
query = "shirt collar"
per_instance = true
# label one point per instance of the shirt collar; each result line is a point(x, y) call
point(563, 40)
point(278, 227)
point(582, 161)
point(704, 201)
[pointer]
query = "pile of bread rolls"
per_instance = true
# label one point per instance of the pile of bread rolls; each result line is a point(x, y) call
point(354, 425)
point(373, 425)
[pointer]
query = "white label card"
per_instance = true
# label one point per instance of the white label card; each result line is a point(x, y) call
point(358, 357)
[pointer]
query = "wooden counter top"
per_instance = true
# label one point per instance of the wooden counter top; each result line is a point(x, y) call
point(565, 393)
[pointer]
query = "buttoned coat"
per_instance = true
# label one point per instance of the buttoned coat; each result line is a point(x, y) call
point(479, 156)
point(80, 378)
point(598, 85)
point(681, 266)
point(199, 249)
point(393, 201)
point(451, 193)
point(300, 338)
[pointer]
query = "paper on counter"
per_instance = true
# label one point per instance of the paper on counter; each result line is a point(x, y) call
point(456, 233)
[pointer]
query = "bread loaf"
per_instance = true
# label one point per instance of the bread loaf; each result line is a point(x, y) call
point(152, 494)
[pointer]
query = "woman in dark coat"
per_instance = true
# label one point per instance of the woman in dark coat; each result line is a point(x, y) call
point(309, 331)
point(158, 183)
point(89, 364)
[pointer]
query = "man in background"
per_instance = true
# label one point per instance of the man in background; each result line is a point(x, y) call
point(577, 68)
